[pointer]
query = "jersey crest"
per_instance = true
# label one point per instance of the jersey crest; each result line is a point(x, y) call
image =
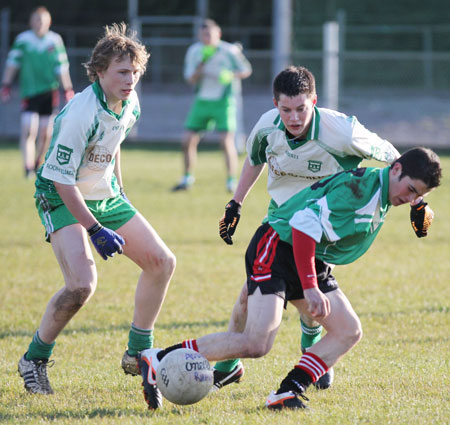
point(314, 166)
point(63, 154)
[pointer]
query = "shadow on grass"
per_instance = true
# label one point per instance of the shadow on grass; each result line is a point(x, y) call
point(426, 310)
point(82, 414)
point(6, 333)
point(418, 341)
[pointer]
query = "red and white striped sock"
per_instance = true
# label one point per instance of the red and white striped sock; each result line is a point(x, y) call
point(313, 365)
point(190, 343)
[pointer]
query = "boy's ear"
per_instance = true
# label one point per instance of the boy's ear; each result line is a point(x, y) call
point(396, 169)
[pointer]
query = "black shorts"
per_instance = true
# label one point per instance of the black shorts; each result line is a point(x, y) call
point(44, 103)
point(270, 265)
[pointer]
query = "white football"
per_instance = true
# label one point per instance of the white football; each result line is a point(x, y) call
point(184, 376)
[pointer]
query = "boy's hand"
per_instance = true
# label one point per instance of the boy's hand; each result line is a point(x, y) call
point(421, 218)
point(318, 303)
point(106, 241)
point(229, 221)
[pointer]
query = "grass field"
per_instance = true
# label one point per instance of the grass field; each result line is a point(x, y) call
point(398, 374)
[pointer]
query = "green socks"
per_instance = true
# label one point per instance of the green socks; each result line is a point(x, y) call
point(139, 339)
point(226, 365)
point(310, 335)
point(39, 349)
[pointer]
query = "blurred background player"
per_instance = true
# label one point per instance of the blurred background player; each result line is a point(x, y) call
point(212, 66)
point(301, 144)
point(79, 195)
point(41, 57)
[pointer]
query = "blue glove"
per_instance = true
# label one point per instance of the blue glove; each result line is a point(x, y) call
point(106, 241)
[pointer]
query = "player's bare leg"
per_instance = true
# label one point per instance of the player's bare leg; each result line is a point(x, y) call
point(232, 370)
point(76, 261)
point(238, 317)
point(343, 332)
point(263, 320)
point(144, 246)
point(190, 143)
point(343, 329)
point(231, 158)
point(29, 125)
point(44, 137)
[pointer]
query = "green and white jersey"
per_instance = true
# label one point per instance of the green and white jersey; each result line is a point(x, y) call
point(226, 57)
point(335, 142)
point(342, 213)
point(86, 138)
point(40, 59)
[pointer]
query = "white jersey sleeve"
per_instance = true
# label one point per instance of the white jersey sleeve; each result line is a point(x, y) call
point(192, 60)
point(344, 135)
point(258, 140)
point(71, 133)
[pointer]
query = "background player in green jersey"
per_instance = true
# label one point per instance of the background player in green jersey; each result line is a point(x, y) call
point(301, 143)
point(333, 221)
point(213, 66)
point(41, 57)
point(79, 194)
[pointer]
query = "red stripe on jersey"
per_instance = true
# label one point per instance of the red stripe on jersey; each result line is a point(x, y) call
point(313, 365)
point(191, 344)
point(265, 254)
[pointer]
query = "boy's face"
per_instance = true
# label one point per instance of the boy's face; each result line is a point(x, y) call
point(210, 36)
point(119, 79)
point(40, 23)
point(405, 190)
point(296, 112)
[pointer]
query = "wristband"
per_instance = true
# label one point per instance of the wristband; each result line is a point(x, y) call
point(94, 229)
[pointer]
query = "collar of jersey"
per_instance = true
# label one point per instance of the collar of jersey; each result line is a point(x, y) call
point(102, 99)
point(313, 131)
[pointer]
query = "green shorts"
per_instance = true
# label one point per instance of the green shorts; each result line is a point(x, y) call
point(212, 114)
point(111, 212)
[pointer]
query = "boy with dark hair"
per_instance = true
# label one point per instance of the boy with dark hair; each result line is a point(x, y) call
point(334, 221)
point(301, 144)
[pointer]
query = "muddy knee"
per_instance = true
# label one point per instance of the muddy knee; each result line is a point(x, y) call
point(69, 302)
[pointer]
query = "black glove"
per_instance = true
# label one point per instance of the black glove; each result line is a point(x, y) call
point(421, 218)
point(229, 221)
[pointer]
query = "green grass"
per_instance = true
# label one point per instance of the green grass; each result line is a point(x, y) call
point(398, 374)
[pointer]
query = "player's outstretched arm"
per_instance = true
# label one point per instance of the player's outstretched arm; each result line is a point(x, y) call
point(230, 219)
